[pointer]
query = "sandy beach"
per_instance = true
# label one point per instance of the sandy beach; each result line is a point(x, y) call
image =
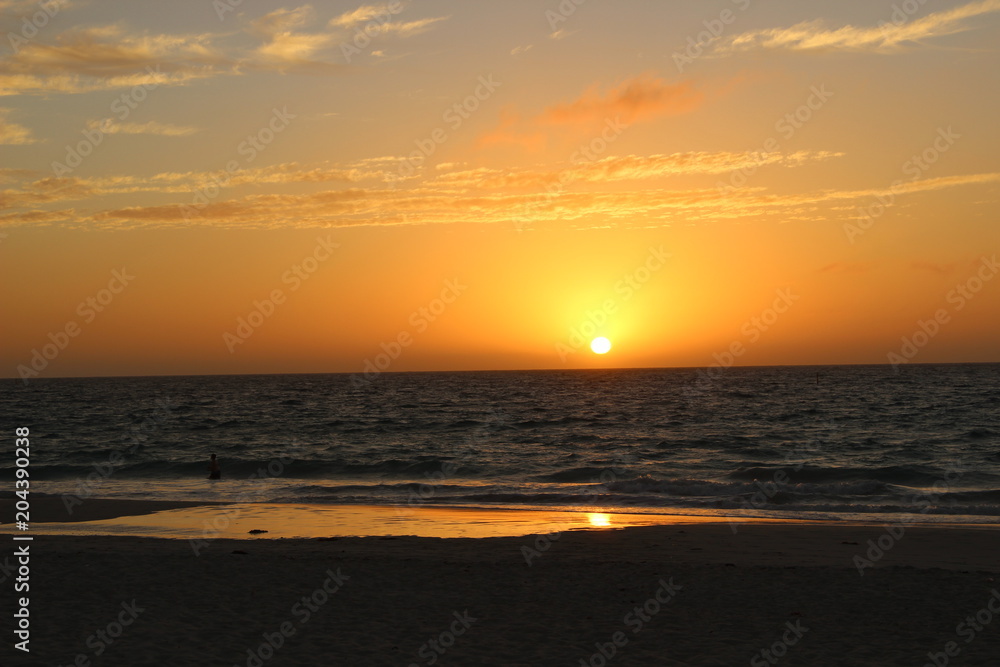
point(684, 594)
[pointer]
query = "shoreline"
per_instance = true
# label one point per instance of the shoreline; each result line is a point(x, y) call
point(725, 539)
point(185, 519)
point(52, 509)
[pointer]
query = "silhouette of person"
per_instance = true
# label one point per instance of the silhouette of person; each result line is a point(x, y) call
point(214, 472)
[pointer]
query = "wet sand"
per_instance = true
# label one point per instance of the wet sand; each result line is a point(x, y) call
point(52, 509)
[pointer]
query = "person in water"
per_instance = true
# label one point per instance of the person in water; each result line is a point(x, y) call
point(214, 472)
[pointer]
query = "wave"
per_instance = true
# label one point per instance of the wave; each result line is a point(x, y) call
point(700, 487)
point(585, 474)
point(899, 474)
point(233, 468)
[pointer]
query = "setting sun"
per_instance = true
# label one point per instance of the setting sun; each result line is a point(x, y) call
point(600, 345)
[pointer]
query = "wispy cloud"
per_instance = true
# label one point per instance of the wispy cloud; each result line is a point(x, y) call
point(890, 36)
point(106, 57)
point(93, 58)
point(12, 133)
point(636, 98)
point(630, 168)
point(35, 188)
point(110, 126)
point(377, 19)
point(358, 195)
point(18, 7)
point(285, 47)
point(362, 14)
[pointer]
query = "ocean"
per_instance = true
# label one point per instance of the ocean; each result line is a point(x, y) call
point(835, 442)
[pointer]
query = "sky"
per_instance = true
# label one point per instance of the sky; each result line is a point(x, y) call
point(239, 186)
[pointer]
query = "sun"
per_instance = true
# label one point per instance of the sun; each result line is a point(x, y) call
point(600, 345)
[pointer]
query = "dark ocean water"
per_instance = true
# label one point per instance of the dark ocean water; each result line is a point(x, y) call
point(760, 441)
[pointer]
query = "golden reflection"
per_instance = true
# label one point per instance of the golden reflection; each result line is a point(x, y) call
point(311, 521)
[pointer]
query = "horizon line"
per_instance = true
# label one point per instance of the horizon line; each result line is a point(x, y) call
point(496, 370)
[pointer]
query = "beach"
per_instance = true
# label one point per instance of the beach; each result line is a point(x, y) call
point(696, 593)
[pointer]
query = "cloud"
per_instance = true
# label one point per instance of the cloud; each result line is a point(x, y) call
point(67, 83)
point(630, 167)
point(22, 7)
point(11, 133)
point(377, 19)
point(103, 58)
point(282, 20)
point(110, 126)
point(634, 99)
point(45, 191)
point(518, 50)
point(410, 28)
point(512, 130)
point(94, 58)
point(888, 37)
point(285, 48)
point(36, 188)
point(363, 14)
point(609, 191)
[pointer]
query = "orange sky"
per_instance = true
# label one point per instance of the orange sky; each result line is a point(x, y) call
point(477, 187)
